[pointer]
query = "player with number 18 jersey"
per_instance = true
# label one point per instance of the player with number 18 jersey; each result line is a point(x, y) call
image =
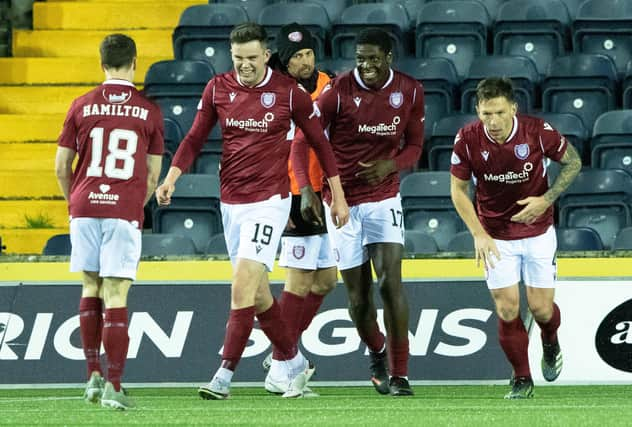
point(112, 128)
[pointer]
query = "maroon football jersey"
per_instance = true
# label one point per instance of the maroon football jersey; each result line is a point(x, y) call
point(112, 128)
point(365, 124)
point(257, 130)
point(506, 173)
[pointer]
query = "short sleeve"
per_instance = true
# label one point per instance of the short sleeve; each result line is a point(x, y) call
point(460, 165)
point(68, 136)
point(553, 143)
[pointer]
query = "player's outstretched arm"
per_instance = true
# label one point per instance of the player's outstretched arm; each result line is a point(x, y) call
point(484, 246)
point(168, 186)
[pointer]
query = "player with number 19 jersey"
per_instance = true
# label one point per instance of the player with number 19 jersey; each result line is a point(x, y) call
point(112, 128)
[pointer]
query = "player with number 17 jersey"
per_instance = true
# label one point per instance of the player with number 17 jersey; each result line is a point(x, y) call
point(369, 125)
point(112, 128)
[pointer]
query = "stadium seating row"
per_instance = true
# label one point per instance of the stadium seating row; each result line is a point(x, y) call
point(584, 85)
point(458, 30)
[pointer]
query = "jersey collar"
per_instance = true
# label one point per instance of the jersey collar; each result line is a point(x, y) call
point(514, 129)
point(264, 82)
point(118, 82)
point(358, 79)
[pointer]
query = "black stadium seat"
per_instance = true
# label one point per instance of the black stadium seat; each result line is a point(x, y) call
point(203, 33)
point(388, 16)
point(455, 30)
point(59, 244)
point(582, 84)
point(537, 29)
point(520, 69)
point(578, 239)
point(167, 244)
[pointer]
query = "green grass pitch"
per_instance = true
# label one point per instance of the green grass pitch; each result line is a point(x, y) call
point(433, 405)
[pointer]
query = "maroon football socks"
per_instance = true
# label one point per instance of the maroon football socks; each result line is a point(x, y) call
point(115, 341)
point(90, 325)
point(398, 357)
point(240, 323)
point(310, 308)
point(514, 341)
point(273, 325)
point(291, 308)
point(549, 329)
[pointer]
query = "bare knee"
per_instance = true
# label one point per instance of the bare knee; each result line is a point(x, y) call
point(507, 301)
point(91, 286)
point(541, 310)
point(325, 281)
point(115, 291)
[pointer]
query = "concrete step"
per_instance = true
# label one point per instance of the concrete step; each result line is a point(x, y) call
point(85, 43)
point(84, 71)
point(27, 157)
point(39, 99)
point(28, 241)
point(15, 213)
point(30, 127)
point(28, 170)
point(112, 15)
point(29, 183)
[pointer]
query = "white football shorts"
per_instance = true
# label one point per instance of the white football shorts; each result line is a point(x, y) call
point(307, 252)
point(109, 246)
point(531, 258)
point(372, 222)
point(253, 230)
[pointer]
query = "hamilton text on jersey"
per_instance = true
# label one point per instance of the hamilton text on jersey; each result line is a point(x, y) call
point(115, 110)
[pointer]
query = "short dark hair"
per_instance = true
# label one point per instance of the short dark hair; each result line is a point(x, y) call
point(247, 32)
point(117, 51)
point(376, 37)
point(493, 87)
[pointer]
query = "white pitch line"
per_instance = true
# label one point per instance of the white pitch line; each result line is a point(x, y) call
point(34, 399)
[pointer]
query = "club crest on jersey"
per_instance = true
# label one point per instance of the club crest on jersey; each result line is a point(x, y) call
point(396, 99)
point(116, 98)
point(298, 251)
point(268, 99)
point(521, 151)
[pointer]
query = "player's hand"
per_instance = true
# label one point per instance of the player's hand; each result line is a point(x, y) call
point(534, 207)
point(375, 171)
point(486, 250)
point(339, 212)
point(311, 206)
point(164, 192)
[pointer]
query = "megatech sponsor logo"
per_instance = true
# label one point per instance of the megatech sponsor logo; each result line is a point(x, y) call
point(250, 124)
point(511, 177)
point(381, 129)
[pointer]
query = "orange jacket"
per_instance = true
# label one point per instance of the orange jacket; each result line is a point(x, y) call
point(315, 171)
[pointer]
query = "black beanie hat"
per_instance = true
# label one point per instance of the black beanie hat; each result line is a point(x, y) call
point(292, 38)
